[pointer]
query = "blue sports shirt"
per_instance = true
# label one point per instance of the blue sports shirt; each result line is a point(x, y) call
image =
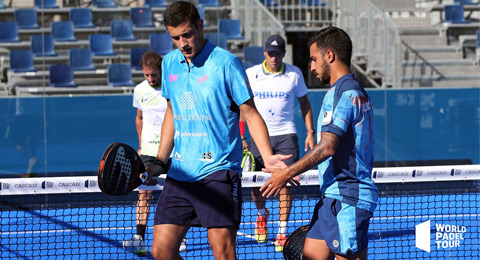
point(205, 97)
point(347, 112)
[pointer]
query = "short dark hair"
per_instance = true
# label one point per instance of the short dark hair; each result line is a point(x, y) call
point(334, 39)
point(179, 12)
point(151, 59)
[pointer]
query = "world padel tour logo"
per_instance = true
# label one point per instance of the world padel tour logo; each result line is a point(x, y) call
point(446, 236)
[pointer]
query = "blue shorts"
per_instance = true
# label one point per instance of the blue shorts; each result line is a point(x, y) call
point(343, 227)
point(214, 201)
point(281, 144)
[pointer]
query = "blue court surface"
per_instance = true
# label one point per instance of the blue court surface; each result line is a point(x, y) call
point(81, 230)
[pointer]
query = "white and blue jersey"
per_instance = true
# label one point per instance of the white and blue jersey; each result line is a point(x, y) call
point(347, 112)
point(205, 97)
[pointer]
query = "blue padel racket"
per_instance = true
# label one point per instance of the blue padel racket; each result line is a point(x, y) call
point(293, 248)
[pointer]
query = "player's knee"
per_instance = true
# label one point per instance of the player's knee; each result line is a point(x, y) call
point(161, 253)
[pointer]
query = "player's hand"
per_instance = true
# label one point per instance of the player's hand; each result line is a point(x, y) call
point(150, 181)
point(278, 180)
point(309, 141)
point(245, 145)
point(276, 161)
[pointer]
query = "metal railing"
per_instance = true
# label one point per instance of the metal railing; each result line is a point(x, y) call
point(375, 37)
point(257, 22)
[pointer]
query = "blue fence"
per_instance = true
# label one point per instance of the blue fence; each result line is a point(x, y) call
point(67, 135)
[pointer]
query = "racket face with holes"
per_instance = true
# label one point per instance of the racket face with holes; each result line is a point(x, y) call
point(293, 249)
point(120, 170)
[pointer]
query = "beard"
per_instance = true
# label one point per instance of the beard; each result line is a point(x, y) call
point(325, 76)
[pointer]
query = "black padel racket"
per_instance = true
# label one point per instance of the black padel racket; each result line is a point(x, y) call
point(293, 249)
point(120, 170)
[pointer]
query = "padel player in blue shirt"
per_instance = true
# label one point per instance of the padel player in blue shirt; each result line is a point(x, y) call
point(206, 88)
point(344, 155)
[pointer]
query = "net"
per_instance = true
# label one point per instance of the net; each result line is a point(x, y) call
point(423, 213)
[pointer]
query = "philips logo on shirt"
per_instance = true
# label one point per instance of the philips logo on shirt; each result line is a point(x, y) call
point(271, 94)
point(173, 77)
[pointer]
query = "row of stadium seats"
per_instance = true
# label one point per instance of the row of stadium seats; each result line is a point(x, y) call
point(112, 4)
point(121, 29)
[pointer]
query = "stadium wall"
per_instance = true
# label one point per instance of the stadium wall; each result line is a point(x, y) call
point(67, 135)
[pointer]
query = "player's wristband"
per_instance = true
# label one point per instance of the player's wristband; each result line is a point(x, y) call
point(310, 131)
point(242, 127)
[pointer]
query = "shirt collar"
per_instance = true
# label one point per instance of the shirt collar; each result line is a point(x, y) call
point(342, 79)
point(266, 71)
point(201, 57)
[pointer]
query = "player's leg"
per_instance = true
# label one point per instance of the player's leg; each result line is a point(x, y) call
point(222, 241)
point(261, 230)
point(218, 204)
point(284, 144)
point(167, 239)
point(316, 249)
point(143, 211)
point(361, 255)
point(332, 216)
point(284, 206)
point(137, 242)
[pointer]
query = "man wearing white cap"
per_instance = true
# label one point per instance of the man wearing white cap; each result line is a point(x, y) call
point(275, 85)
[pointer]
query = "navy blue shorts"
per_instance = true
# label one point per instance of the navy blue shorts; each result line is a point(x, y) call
point(281, 144)
point(214, 201)
point(343, 227)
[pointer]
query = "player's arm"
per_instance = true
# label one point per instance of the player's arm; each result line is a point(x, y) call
point(138, 126)
point(166, 138)
point(258, 131)
point(308, 118)
point(166, 145)
point(320, 152)
point(242, 132)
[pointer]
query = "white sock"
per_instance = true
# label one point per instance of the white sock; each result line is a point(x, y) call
point(262, 212)
point(282, 227)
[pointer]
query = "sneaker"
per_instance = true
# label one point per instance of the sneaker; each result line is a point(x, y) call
point(136, 244)
point(261, 231)
point(280, 242)
point(183, 245)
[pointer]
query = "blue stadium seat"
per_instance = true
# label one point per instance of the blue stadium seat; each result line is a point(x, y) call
point(161, 43)
point(314, 2)
point(21, 61)
point(122, 30)
point(201, 12)
point(219, 39)
point(62, 31)
point(81, 17)
point(478, 39)
point(9, 32)
point(104, 3)
point(269, 2)
point(42, 45)
point(45, 4)
point(120, 75)
point(253, 54)
point(61, 75)
point(101, 44)
point(454, 14)
point(141, 16)
point(155, 3)
point(465, 2)
point(135, 56)
point(26, 18)
point(2, 6)
point(231, 28)
point(81, 59)
point(208, 2)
